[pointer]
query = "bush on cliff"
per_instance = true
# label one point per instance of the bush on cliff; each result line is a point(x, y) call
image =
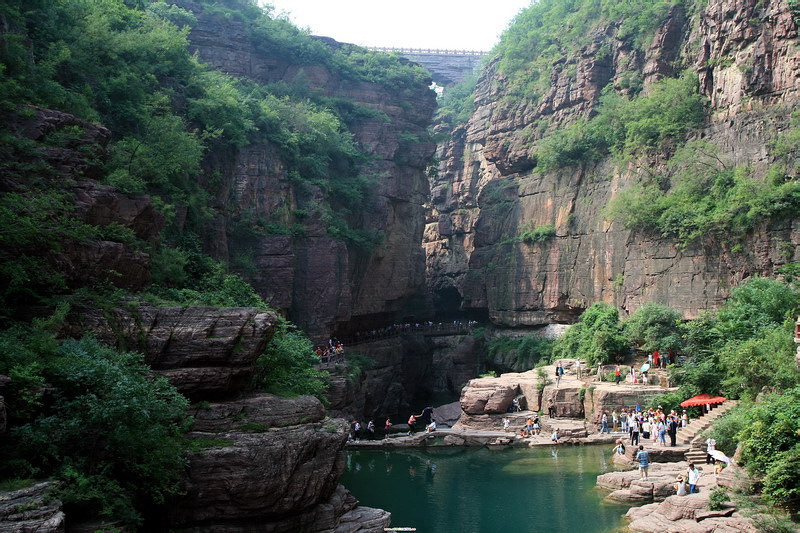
point(286, 367)
point(93, 418)
point(654, 327)
point(518, 354)
point(597, 337)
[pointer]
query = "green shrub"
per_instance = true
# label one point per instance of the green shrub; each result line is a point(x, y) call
point(597, 337)
point(717, 498)
point(538, 234)
point(654, 327)
point(518, 354)
point(111, 432)
point(286, 367)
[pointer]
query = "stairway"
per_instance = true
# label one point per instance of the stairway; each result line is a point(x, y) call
point(691, 434)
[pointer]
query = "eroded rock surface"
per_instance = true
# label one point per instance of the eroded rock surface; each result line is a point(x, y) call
point(206, 352)
point(30, 510)
point(487, 190)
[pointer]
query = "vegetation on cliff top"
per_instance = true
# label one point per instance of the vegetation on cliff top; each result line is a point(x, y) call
point(546, 34)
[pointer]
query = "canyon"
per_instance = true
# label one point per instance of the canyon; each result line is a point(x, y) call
point(448, 215)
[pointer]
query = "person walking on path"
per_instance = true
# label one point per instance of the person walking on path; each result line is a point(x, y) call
point(412, 420)
point(617, 375)
point(604, 424)
point(371, 430)
point(644, 462)
point(551, 407)
point(386, 427)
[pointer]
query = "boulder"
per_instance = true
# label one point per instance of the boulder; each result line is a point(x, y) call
point(206, 352)
point(256, 413)
point(265, 476)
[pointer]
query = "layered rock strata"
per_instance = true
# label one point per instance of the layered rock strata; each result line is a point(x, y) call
point(317, 279)
point(488, 190)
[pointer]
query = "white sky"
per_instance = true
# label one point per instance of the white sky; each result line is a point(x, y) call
point(452, 24)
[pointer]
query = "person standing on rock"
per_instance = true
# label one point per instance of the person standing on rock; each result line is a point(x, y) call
point(672, 429)
point(371, 430)
point(693, 476)
point(617, 375)
point(614, 421)
point(604, 424)
point(635, 433)
point(387, 426)
point(711, 445)
point(537, 428)
point(412, 420)
point(506, 423)
point(644, 462)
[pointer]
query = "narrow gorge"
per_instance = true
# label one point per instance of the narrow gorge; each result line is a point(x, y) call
point(196, 194)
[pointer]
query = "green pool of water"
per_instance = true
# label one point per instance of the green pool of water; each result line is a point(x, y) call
point(476, 490)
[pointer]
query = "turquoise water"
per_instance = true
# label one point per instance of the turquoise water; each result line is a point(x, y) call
point(477, 490)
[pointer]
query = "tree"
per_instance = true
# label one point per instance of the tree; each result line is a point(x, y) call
point(654, 327)
point(597, 337)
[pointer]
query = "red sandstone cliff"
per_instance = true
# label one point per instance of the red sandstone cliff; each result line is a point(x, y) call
point(487, 190)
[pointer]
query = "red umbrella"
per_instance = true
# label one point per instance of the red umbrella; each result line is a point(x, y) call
point(702, 399)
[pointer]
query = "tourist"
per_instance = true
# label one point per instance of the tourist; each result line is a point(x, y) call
point(711, 445)
point(617, 375)
point(619, 448)
point(554, 436)
point(559, 373)
point(662, 433)
point(551, 407)
point(426, 415)
point(387, 426)
point(506, 423)
point(537, 428)
point(644, 378)
point(356, 428)
point(371, 430)
point(680, 485)
point(604, 424)
point(693, 475)
point(614, 421)
point(635, 433)
point(672, 429)
point(529, 427)
point(646, 428)
point(644, 462)
point(412, 420)
point(684, 419)
point(431, 427)
point(515, 404)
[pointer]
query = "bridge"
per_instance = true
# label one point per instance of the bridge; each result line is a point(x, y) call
point(447, 67)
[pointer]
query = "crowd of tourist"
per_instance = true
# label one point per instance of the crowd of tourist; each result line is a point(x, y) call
point(425, 418)
point(410, 327)
point(653, 424)
point(330, 352)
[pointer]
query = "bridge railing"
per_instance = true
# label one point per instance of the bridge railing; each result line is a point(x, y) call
point(427, 51)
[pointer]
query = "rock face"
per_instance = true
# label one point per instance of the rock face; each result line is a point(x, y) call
point(31, 510)
point(321, 283)
point(487, 189)
point(206, 352)
point(395, 383)
point(269, 464)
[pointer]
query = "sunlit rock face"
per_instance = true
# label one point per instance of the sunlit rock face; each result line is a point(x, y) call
point(488, 190)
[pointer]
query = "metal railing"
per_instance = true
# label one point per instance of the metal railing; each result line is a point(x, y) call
point(428, 51)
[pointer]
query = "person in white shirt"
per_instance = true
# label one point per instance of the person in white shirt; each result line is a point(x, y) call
point(711, 445)
point(693, 475)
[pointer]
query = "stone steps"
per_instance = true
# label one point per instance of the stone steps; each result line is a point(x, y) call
point(692, 434)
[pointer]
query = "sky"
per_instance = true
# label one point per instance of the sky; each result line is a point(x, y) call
point(450, 24)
